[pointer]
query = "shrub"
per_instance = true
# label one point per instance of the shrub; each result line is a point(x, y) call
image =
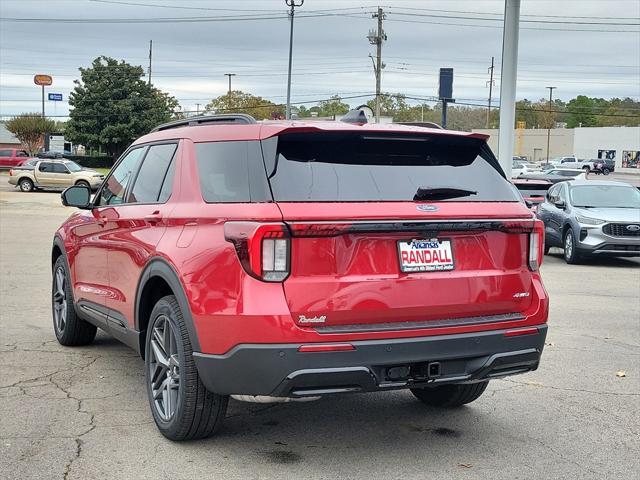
point(101, 161)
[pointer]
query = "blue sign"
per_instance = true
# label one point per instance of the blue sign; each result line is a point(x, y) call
point(55, 97)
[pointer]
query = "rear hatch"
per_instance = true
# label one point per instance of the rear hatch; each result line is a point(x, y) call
point(398, 231)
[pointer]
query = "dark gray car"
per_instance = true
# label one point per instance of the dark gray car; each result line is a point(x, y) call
point(589, 218)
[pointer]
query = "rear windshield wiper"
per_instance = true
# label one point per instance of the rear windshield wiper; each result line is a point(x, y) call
point(441, 193)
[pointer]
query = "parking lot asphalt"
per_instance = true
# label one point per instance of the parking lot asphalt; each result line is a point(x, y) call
point(82, 413)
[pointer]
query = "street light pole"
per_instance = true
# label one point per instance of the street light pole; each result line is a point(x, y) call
point(293, 5)
point(229, 75)
point(550, 119)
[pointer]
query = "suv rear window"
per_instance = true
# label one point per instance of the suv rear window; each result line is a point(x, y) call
point(355, 167)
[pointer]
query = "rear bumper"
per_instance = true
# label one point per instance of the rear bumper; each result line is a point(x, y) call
point(281, 370)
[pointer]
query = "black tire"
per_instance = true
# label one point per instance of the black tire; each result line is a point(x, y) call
point(70, 329)
point(83, 183)
point(26, 185)
point(197, 413)
point(570, 253)
point(586, 169)
point(546, 249)
point(450, 396)
point(606, 171)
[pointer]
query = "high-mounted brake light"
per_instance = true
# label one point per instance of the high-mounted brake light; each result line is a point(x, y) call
point(262, 248)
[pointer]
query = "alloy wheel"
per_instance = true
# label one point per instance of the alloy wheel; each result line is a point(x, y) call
point(568, 245)
point(164, 368)
point(60, 300)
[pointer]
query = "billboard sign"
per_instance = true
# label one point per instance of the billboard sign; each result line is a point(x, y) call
point(43, 80)
point(446, 83)
point(55, 97)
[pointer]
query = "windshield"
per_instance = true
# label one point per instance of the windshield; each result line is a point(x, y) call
point(73, 166)
point(605, 196)
point(352, 167)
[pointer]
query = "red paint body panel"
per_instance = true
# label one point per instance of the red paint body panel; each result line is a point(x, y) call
point(352, 278)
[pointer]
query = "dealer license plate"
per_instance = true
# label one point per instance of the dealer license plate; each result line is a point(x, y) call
point(425, 255)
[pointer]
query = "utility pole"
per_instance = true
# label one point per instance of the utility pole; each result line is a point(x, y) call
point(229, 75)
point(197, 109)
point(376, 38)
point(293, 5)
point(150, 54)
point(550, 120)
point(490, 83)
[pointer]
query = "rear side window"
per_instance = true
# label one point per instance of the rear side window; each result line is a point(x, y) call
point(5, 153)
point(45, 167)
point(354, 167)
point(153, 175)
point(232, 172)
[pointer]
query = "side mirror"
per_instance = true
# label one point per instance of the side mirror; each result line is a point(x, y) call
point(528, 203)
point(77, 196)
point(560, 204)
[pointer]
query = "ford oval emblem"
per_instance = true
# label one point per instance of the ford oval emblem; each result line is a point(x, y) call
point(633, 228)
point(427, 208)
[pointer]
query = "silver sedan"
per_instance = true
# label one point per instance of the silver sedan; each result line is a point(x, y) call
point(592, 218)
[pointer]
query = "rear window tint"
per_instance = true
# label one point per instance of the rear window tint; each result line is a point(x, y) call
point(357, 167)
point(232, 172)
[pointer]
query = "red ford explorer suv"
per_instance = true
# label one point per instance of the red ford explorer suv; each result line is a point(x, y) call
point(283, 260)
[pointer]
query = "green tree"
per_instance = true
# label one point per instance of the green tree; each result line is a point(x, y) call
point(333, 106)
point(395, 105)
point(30, 128)
point(112, 105)
point(238, 101)
point(580, 112)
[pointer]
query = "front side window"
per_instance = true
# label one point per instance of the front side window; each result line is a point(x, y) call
point(73, 166)
point(22, 153)
point(563, 194)
point(552, 196)
point(114, 189)
point(153, 173)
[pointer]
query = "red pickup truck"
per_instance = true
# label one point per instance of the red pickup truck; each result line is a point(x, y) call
point(12, 157)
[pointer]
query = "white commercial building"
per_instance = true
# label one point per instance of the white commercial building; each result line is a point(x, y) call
point(621, 144)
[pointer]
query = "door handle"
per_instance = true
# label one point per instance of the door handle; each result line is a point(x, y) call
point(155, 217)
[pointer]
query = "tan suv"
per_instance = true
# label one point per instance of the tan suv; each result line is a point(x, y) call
point(54, 174)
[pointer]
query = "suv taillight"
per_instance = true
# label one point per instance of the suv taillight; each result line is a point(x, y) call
point(263, 248)
point(536, 246)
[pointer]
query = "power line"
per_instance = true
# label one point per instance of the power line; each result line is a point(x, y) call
point(501, 14)
point(563, 22)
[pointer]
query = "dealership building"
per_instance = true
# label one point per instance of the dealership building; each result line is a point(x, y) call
point(621, 144)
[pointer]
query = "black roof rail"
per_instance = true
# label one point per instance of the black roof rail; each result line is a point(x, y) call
point(222, 119)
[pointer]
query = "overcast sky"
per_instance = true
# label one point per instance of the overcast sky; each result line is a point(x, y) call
point(559, 46)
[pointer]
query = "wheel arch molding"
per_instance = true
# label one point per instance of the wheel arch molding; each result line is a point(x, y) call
point(159, 278)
